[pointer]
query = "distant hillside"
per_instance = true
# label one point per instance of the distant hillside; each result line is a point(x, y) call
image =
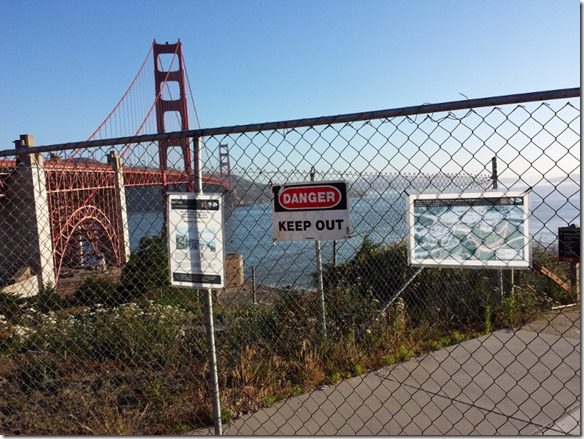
point(248, 192)
point(413, 183)
point(151, 198)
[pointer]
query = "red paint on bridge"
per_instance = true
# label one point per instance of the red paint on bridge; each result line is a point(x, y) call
point(83, 204)
point(133, 176)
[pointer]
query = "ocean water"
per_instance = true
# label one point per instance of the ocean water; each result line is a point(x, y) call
point(380, 217)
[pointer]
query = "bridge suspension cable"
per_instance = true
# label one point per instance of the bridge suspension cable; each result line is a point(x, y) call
point(123, 96)
point(118, 105)
point(191, 95)
point(156, 99)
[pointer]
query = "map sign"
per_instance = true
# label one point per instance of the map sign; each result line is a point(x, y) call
point(484, 230)
point(195, 240)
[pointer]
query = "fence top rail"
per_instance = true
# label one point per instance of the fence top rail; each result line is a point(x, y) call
point(465, 104)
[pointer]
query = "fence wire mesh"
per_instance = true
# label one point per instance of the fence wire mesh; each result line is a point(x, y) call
point(95, 340)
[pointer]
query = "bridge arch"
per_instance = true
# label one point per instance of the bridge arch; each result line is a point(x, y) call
point(96, 228)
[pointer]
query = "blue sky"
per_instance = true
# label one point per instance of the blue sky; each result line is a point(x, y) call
point(65, 63)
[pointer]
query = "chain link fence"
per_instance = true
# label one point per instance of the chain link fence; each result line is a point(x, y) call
point(95, 340)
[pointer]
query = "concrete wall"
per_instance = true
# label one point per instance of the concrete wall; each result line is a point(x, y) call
point(25, 236)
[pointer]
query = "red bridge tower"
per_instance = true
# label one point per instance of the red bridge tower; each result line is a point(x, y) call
point(162, 78)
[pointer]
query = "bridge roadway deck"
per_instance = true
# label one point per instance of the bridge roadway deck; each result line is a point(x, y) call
point(133, 176)
point(506, 383)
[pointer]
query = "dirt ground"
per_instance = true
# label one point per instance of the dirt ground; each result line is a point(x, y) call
point(564, 322)
point(69, 283)
point(244, 295)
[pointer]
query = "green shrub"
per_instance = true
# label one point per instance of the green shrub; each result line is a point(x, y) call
point(376, 271)
point(524, 305)
point(187, 299)
point(295, 318)
point(253, 324)
point(441, 343)
point(38, 371)
point(150, 334)
point(95, 291)
point(348, 311)
point(335, 377)
point(548, 257)
point(147, 334)
point(403, 354)
point(456, 299)
point(10, 306)
point(47, 299)
point(147, 269)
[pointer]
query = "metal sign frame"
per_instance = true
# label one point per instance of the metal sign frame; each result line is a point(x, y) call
point(195, 235)
point(493, 214)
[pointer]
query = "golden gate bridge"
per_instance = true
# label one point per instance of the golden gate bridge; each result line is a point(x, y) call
point(82, 190)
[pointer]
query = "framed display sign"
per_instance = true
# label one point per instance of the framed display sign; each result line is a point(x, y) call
point(195, 240)
point(482, 230)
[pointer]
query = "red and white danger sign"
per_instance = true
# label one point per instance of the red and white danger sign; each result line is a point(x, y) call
point(318, 211)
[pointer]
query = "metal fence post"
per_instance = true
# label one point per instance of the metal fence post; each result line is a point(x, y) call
point(319, 274)
point(495, 178)
point(213, 365)
point(253, 285)
point(210, 325)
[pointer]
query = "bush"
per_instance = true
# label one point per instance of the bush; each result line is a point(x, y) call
point(523, 305)
point(376, 271)
point(253, 325)
point(9, 306)
point(295, 318)
point(446, 300)
point(453, 298)
point(95, 291)
point(147, 268)
point(548, 258)
point(348, 311)
point(47, 299)
point(148, 334)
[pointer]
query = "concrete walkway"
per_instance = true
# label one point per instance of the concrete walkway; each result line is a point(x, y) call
point(506, 383)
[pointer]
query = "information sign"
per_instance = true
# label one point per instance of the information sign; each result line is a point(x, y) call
point(195, 240)
point(569, 244)
point(311, 211)
point(487, 230)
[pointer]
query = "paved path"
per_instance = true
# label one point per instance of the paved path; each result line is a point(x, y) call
point(506, 383)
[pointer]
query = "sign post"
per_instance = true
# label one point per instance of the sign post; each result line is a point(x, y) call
point(196, 260)
point(319, 274)
point(196, 256)
point(312, 211)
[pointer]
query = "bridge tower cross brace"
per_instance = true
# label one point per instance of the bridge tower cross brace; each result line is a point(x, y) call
point(224, 164)
point(161, 78)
